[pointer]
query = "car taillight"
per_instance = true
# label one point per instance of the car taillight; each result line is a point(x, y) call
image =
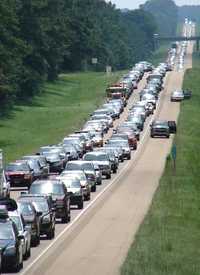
point(27, 176)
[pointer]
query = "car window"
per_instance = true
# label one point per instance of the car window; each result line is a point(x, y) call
point(46, 188)
point(17, 167)
point(25, 209)
point(17, 221)
point(6, 232)
point(41, 205)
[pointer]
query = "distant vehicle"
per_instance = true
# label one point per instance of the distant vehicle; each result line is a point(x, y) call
point(177, 96)
point(11, 243)
point(74, 188)
point(160, 129)
point(187, 94)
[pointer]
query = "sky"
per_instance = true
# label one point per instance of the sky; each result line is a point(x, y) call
point(134, 4)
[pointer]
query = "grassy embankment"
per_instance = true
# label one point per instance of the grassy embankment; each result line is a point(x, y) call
point(168, 241)
point(59, 110)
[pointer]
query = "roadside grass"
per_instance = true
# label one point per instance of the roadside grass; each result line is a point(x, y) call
point(168, 241)
point(160, 54)
point(60, 109)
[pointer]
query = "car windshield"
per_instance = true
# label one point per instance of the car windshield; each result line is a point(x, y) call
point(41, 205)
point(81, 176)
point(25, 208)
point(120, 142)
point(71, 183)
point(17, 167)
point(78, 166)
point(46, 188)
point(98, 157)
point(6, 232)
point(33, 164)
point(17, 221)
point(51, 154)
point(161, 123)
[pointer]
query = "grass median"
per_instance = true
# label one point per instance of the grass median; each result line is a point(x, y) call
point(60, 109)
point(168, 241)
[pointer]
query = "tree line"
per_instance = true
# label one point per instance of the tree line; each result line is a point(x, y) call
point(166, 15)
point(41, 38)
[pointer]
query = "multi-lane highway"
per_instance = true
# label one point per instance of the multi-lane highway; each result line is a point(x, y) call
point(98, 237)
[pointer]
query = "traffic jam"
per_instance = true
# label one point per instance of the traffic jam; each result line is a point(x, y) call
point(61, 178)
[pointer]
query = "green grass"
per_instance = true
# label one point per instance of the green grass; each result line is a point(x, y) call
point(160, 54)
point(168, 242)
point(59, 110)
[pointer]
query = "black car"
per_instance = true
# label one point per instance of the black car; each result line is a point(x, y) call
point(60, 197)
point(54, 160)
point(32, 218)
point(187, 94)
point(160, 128)
point(43, 205)
point(44, 166)
point(10, 243)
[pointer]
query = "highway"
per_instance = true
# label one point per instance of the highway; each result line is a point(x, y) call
point(97, 239)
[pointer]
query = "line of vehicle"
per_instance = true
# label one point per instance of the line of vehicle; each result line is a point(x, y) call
point(107, 187)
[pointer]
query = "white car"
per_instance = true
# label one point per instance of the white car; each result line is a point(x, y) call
point(177, 96)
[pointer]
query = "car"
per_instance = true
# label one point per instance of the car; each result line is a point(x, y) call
point(172, 126)
point(129, 136)
point(59, 194)
point(54, 160)
point(19, 173)
point(187, 94)
point(35, 166)
point(32, 218)
point(102, 160)
point(114, 161)
point(42, 162)
point(159, 128)
point(73, 185)
point(83, 180)
point(87, 167)
point(123, 144)
point(23, 230)
point(177, 95)
point(44, 205)
point(11, 242)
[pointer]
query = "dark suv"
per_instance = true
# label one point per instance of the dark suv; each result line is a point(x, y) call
point(160, 128)
point(44, 206)
point(60, 197)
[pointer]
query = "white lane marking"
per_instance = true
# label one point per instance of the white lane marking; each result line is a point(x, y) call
point(97, 197)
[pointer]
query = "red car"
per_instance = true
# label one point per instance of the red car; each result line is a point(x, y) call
point(19, 173)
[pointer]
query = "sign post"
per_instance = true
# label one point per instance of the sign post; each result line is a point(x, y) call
point(173, 154)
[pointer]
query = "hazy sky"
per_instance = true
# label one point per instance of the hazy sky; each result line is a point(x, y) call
point(133, 4)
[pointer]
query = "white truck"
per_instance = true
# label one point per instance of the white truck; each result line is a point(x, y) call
point(4, 184)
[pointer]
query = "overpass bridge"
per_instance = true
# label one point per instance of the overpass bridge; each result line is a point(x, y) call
point(158, 38)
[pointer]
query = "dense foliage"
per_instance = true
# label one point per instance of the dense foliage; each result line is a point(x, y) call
point(165, 13)
point(41, 38)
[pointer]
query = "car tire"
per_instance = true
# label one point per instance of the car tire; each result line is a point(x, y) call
point(114, 171)
point(51, 234)
point(28, 254)
point(65, 219)
point(80, 205)
point(108, 176)
point(167, 136)
point(87, 198)
point(94, 188)
point(129, 157)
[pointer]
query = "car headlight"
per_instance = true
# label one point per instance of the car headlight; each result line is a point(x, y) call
point(10, 250)
point(46, 219)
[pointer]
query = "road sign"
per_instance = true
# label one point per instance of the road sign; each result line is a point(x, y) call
point(94, 60)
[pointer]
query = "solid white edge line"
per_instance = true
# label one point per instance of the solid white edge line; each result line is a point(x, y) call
point(97, 197)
